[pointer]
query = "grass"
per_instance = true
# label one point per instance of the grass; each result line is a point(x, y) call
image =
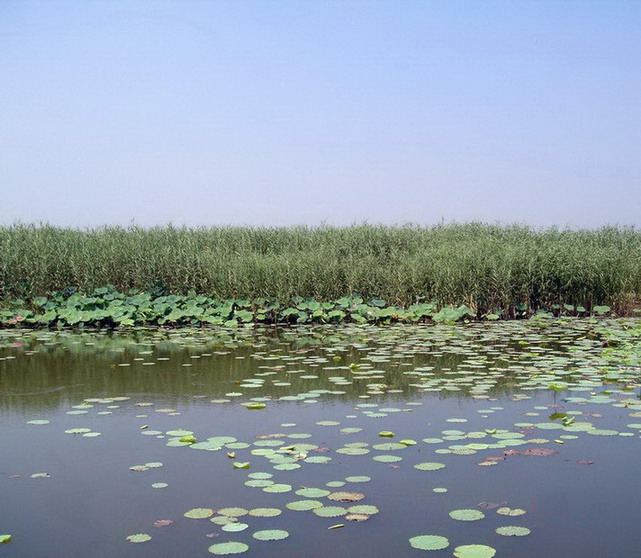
point(483, 266)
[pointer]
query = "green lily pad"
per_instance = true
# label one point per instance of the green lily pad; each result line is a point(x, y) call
point(345, 496)
point(364, 509)
point(429, 466)
point(304, 505)
point(234, 527)
point(329, 511)
point(312, 492)
point(255, 406)
point(429, 542)
point(5, 539)
point(271, 535)
point(223, 520)
point(513, 531)
point(260, 476)
point(318, 459)
point(233, 512)
point(265, 512)
point(474, 551)
point(467, 515)
point(277, 488)
point(227, 548)
point(139, 538)
point(199, 513)
point(359, 478)
point(512, 512)
point(387, 458)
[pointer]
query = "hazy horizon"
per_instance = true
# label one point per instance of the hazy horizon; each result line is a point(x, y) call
point(303, 113)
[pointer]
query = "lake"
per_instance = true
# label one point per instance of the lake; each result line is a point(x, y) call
point(515, 439)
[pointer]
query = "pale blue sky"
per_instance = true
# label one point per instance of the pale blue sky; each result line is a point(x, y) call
point(287, 112)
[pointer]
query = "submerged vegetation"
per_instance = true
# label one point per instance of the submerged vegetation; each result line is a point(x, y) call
point(485, 270)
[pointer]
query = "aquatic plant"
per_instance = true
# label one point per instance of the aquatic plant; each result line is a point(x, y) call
point(493, 271)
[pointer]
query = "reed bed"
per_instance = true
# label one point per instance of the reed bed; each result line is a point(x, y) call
point(482, 266)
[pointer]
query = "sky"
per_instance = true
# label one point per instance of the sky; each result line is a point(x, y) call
point(277, 113)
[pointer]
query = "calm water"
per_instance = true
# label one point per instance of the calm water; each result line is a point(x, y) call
point(537, 416)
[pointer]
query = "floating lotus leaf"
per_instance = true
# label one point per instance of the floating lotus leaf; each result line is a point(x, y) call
point(312, 492)
point(318, 459)
point(304, 505)
point(265, 512)
point(258, 483)
point(227, 548)
point(467, 515)
point(223, 520)
point(474, 551)
point(179, 433)
point(277, 488)
point(512, 512)
point(358, 478)
point(387, 458)
point(287, 466)
point(353, 451)
point(260, 476)
point(346, 496)
point(329, 511)
point(233, 512)
point(513, 531)
point(271, 535)
point(234, 527)
point(429, 466)
point(363, 509)
point(139, 538)
point(357, 517)
point(199, 513)
point(389, 446)
point(429, 542)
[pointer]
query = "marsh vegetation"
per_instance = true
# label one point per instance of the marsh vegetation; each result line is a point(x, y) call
point(489, 269)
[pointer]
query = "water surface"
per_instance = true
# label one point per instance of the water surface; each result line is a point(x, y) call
point(541, 416)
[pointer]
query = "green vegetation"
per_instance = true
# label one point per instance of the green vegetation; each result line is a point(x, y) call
point(493, 271)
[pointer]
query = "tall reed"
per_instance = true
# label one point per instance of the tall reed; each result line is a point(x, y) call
point(485, 266)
